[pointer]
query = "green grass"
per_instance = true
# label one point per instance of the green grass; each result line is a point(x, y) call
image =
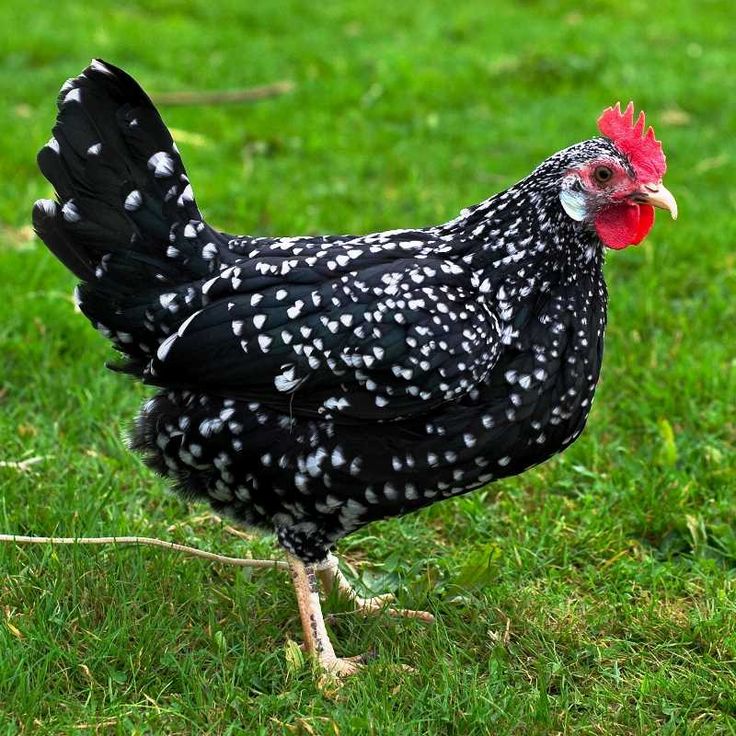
point(595, 594)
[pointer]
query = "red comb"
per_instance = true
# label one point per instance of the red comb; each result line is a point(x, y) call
point(643, 149)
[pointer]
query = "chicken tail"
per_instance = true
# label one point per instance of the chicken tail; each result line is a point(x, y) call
point(125, 221)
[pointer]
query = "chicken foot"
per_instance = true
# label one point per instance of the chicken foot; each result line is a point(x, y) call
point(332, 578)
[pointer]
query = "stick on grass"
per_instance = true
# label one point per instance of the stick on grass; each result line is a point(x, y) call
point(149, 541)
point(224, 97)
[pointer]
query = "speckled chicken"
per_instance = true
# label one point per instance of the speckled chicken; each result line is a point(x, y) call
point(310, 385)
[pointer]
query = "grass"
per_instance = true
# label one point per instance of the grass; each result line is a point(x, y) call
point(595, 594)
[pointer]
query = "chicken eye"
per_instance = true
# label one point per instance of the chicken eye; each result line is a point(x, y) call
point(602, 174)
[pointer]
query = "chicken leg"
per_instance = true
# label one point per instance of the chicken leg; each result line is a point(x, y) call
point(332, 578)
point(316, 640)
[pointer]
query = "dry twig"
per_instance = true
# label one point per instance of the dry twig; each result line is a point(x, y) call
point(22, 465)
point(224, 97)
point(149, 541)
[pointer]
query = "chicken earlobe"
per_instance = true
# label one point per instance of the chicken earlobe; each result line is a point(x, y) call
point(574, 204)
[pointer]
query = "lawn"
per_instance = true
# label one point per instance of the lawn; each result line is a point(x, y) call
point(595, 594)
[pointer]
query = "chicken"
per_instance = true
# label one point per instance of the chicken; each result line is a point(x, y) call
point(311, 385)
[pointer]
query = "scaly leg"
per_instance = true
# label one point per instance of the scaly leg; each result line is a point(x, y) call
point(316, 640)
point(331, 578)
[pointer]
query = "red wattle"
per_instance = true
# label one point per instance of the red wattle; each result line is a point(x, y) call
point(646, 220)
point(624, 224)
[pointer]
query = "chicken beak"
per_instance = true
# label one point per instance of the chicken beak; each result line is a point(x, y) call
point(657, 195)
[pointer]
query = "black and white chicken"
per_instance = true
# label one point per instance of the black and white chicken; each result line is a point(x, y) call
point(311, 385)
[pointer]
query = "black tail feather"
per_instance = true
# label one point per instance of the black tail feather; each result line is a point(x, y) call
point(126, 222)
point(46, 214)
